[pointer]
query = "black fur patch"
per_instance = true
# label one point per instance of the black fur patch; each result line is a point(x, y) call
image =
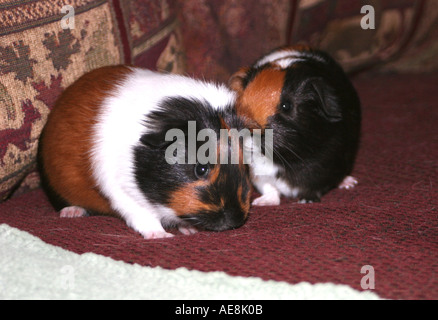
point(155, 177)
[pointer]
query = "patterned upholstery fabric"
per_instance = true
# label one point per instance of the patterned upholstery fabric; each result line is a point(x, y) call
point(153, 35)
point(403, 39)
point(222, 35)
point(42, 52)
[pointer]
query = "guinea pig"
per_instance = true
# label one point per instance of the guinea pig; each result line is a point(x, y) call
point(313, 111)
point(105, 150)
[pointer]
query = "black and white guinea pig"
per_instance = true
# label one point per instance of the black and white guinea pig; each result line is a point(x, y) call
point(305, 97)
point(103, 151)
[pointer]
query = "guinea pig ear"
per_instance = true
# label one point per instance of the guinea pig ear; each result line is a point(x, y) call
point(236, 81)
point(329, 105)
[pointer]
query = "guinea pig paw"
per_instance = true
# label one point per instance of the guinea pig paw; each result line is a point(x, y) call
point(73, 212)
point(156, 235)
point(348, 183)
point(268, 199)
point(187, 230)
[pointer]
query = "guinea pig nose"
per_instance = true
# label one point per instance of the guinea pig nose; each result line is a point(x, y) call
point(234, 218)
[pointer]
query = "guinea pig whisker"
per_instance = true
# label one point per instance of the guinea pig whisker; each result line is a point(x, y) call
point(192, 220)
point(283, 160)
point(292, 151)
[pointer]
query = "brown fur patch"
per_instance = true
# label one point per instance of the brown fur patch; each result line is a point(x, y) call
point(67, 138)
point(261, 97)
point(244, 203)
point(185, 200)
point(235, 82)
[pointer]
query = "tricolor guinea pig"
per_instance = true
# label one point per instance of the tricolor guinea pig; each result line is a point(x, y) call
point(105, 150)
point(313, 111)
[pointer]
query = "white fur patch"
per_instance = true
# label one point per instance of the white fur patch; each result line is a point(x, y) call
point(264, 178)
point(286, 62)
point(283, 58)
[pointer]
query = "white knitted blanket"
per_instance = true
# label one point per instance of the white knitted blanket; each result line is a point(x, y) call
point(33, 269)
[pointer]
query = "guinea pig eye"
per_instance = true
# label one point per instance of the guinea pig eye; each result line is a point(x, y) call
point(285, 106)
point(201, 170)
